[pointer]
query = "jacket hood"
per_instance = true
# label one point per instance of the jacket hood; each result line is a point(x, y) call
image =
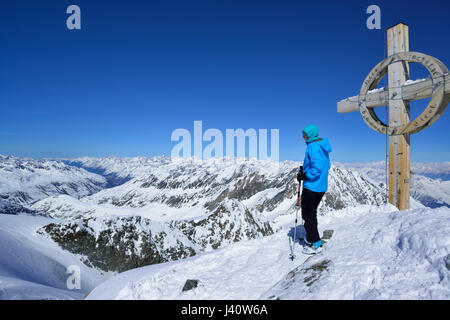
point(324, 144)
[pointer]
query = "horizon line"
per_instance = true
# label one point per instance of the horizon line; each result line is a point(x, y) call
point(188, 158)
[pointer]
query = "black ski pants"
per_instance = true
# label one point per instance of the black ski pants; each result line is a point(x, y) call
point(310, 202)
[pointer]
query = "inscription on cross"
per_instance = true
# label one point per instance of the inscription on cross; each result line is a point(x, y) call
point(397, 96)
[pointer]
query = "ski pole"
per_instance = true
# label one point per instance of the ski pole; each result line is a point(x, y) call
point(296, 218)
point(298, 207)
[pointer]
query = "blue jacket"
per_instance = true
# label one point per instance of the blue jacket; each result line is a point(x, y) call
point(316, 165)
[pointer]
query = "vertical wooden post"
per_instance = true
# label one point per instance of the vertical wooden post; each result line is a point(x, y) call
point(399, 146)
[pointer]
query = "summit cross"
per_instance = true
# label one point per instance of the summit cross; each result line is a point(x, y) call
point(397, 96)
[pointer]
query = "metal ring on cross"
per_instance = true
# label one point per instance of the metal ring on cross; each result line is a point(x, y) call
point(433, 111)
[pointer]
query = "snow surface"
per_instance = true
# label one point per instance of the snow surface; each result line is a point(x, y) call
point(32, 266)
point(375, 253)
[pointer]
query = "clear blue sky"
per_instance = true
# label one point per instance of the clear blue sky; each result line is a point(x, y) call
point(137, 70)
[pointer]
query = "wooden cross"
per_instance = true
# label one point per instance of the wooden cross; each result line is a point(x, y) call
point(399, 93)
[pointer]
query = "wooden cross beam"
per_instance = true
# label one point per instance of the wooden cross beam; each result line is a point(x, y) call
point(399, 93)
point(379, 98)
point(399, 145)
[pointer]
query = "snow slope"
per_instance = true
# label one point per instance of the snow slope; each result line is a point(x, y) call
point(375, 253)
point(34, 267)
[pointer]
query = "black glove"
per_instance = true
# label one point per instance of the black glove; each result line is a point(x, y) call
point(301, 175)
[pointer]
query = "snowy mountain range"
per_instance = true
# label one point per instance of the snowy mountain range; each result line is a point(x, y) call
point(112, 214)
point(25, 181)
point(430, 182)
point(178, 208)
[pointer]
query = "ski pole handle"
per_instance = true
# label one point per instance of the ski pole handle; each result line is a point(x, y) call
point(298, 194)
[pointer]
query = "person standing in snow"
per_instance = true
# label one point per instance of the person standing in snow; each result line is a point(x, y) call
point(314, 174)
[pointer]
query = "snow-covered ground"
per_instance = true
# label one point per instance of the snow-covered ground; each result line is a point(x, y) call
point(375, 253)
point(32, 266)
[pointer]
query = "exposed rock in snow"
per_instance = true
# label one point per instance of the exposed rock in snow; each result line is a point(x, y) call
point(122, 243)
point(119, 244)
point(190, 284)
